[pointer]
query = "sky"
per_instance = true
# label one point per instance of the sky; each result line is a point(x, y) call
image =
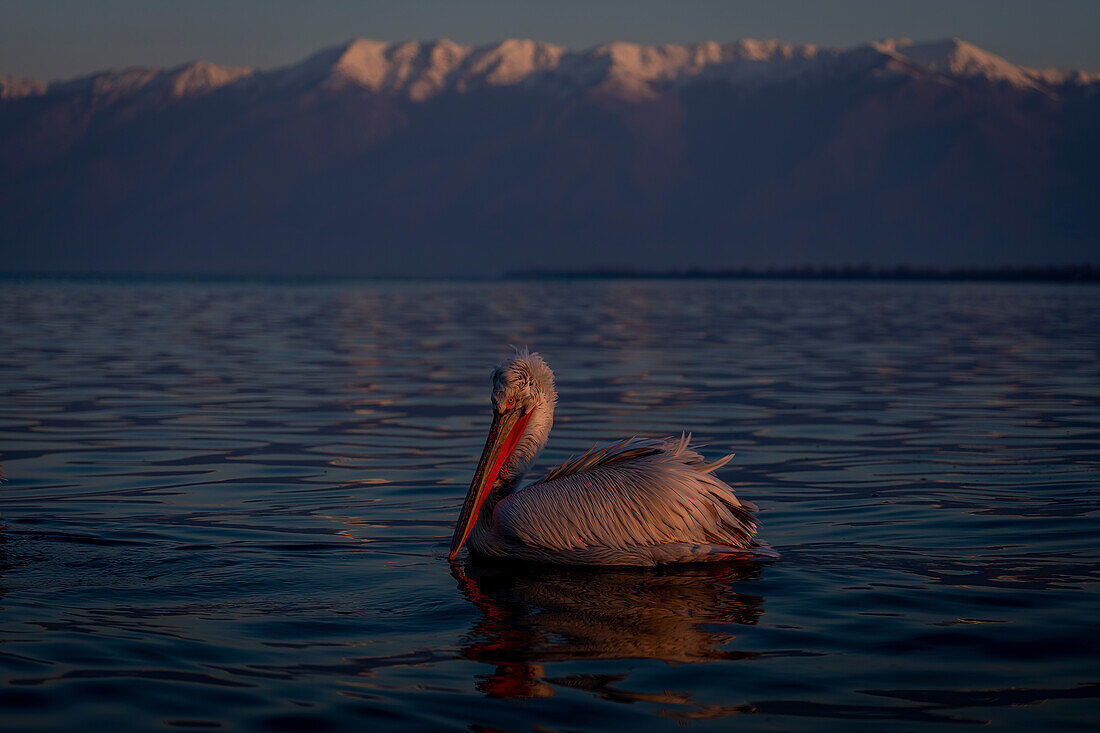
point(55, 39)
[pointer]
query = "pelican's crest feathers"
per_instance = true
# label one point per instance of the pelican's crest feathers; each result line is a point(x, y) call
point(525, 371)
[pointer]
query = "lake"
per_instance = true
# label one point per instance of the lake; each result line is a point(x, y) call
point(228, 506)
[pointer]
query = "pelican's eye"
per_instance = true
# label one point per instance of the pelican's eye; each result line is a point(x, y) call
point(510, 403)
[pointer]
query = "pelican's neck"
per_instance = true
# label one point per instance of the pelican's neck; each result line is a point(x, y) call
point(527, 450)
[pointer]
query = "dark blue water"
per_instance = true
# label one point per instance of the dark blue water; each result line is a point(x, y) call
point(228, 506)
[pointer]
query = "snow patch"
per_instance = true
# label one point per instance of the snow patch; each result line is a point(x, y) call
point(15, 88)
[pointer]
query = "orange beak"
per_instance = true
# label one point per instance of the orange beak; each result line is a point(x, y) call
point(504, 435)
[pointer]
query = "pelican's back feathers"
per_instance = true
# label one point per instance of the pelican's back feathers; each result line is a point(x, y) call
point(637, 502)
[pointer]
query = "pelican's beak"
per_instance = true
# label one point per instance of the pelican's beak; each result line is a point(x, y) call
point(504, 434)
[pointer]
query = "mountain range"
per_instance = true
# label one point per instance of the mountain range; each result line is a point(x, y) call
point(376, 158)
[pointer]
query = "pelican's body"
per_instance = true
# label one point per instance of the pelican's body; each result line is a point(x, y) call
point(638, 502)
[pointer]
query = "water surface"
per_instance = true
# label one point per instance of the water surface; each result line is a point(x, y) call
point(228, 506)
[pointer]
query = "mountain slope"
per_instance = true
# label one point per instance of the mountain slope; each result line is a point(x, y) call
point(434, 158)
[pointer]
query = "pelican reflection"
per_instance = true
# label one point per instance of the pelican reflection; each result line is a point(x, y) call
point(534, 615)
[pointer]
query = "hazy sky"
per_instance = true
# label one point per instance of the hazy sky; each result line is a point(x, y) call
point(51, 39)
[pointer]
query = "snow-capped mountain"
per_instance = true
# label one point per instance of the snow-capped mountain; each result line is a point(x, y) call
point(419, 71)
point(383, 156)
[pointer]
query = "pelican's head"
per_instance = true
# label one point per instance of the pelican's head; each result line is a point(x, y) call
point(523, 412)
point(526, 379)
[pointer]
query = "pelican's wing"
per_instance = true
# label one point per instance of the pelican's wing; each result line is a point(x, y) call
point(635, 502)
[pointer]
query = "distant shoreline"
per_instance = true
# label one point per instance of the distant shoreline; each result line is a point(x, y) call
point(1067, 274)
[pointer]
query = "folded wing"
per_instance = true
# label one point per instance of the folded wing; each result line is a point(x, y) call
point(637, 502)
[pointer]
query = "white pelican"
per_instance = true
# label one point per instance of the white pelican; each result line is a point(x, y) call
point(636, 502)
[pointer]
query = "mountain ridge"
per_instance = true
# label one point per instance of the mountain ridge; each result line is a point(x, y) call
point(420, 70)
point(379, 158)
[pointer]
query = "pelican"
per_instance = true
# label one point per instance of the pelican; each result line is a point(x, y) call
point(639, 502)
